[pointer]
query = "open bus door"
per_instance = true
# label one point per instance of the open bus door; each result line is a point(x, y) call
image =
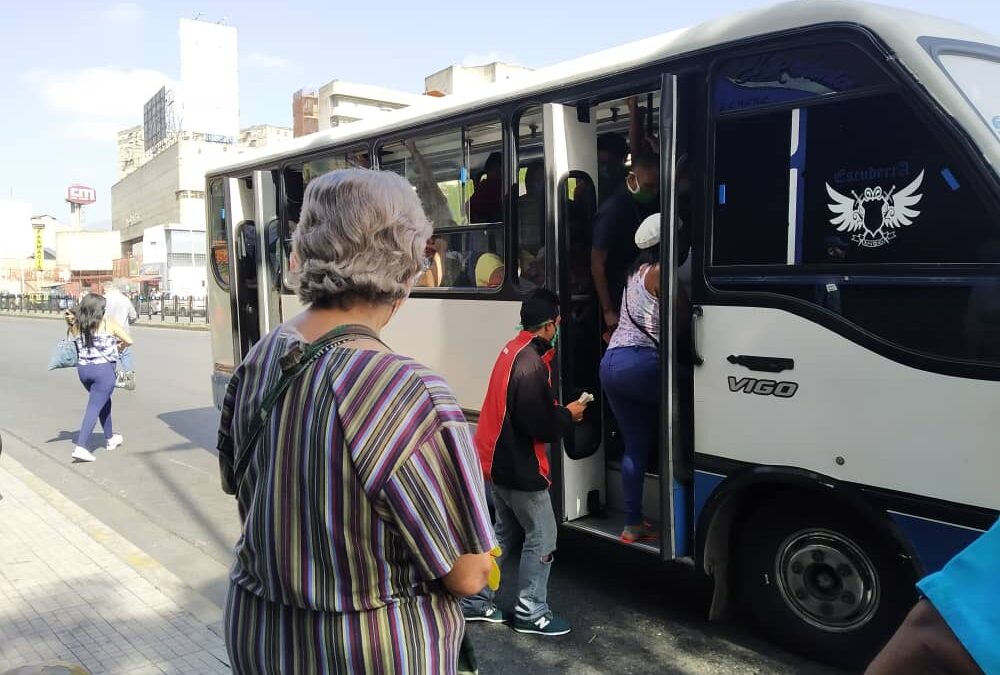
point(240, 201)
point(582, 498)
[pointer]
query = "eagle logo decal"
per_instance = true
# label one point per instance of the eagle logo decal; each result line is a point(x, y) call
point(897, 209)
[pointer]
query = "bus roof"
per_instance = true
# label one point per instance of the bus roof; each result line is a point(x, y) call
point(899, 28)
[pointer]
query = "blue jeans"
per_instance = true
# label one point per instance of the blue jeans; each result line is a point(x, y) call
point(526, 516)
point(125, 359)
point(631, 380)
point(99, 381)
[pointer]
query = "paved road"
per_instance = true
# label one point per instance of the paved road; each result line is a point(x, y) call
point(630, 613)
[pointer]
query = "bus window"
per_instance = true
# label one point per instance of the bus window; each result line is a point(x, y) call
point(219, 234)
point(531, 240)
point(458, 175)
point(848, 202)
point(295, 178)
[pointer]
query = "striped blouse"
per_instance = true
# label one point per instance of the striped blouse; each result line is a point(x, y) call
point(362, 493)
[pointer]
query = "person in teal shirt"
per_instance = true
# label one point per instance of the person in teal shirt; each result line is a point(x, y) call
point(955, 628)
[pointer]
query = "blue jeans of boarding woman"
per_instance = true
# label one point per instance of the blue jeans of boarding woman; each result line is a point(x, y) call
point(630, 377)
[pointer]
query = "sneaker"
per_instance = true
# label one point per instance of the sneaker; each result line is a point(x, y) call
point(642, 532)
point(546, 624)
point(115, 441)
point(83, 454)
point(491, 614)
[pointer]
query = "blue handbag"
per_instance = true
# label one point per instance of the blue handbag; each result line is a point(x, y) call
point(64, 355)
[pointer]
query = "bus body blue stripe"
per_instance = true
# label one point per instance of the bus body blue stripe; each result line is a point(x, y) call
point(704, 485)
point(934, 542)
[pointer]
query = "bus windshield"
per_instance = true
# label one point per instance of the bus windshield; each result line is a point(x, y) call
point(977, 76)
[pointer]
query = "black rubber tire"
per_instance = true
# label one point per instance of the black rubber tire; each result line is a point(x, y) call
point(794, 517)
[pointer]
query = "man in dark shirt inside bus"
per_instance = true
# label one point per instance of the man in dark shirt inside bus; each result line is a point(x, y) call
point(615, 223)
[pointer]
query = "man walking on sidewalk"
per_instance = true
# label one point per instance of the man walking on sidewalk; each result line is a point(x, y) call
point(519, 418)
point(120, 310)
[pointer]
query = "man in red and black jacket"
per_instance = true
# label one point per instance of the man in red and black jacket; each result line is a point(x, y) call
point(519, 418)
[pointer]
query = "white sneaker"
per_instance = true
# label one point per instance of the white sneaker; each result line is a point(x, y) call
point(115, 441)
point(83, 454)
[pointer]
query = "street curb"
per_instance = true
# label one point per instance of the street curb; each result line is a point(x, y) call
point(143, 324)
point(187, 598)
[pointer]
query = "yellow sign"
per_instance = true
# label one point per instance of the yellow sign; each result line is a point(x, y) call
point(39, 249)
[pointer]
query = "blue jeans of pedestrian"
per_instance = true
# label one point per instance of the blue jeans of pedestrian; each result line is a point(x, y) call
point(631, 380)
point(528, 517)
point(125, 359)
point(99, 380)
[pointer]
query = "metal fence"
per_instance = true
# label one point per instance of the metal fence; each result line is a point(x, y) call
point(162, 307)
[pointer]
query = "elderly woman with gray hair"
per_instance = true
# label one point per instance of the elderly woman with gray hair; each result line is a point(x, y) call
point(358, 485)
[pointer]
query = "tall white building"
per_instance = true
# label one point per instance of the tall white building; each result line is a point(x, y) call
point(210, 80)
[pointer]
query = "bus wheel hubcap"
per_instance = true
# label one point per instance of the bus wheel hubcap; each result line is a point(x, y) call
point(827, 580)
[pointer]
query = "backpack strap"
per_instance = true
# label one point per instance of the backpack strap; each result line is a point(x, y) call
point(293, 365)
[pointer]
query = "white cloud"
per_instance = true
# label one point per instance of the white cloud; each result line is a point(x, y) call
point(261, 61)
point(100, 100)
point(122, 14)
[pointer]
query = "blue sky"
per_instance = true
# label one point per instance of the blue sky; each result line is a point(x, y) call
point(74, 72)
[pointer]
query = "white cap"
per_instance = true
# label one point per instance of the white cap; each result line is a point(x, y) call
point(648, 234)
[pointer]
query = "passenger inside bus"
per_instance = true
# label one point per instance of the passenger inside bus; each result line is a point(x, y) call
point(489, 271)
point(615, 224)
point(531, 220)
point(612, 151)
point(485, 205)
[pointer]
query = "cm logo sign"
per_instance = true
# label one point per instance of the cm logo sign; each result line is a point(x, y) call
point(81, 194)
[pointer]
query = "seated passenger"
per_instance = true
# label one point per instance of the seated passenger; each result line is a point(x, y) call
point(489, 271)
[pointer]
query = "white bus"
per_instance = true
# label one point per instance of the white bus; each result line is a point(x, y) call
point(831, 390)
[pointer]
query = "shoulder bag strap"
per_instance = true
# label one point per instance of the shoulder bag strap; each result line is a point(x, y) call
point(293, 365)
point(632, 318)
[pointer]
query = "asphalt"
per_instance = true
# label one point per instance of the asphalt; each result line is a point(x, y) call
point(630, 612)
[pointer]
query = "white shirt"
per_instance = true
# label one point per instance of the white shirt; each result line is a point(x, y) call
point(120, 310)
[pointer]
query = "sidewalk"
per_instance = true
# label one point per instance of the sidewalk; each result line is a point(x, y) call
point(73, 590)
point(155, 322)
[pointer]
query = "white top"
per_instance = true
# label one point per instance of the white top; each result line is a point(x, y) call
point(120, 310)
point(640, 315)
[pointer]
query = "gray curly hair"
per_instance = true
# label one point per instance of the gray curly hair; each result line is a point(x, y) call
point(361, 237)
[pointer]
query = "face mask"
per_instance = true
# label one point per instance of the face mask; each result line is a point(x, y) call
point(555, 337)
point(638, 193)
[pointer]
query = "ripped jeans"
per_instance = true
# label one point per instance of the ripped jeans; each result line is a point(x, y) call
point(526, 516)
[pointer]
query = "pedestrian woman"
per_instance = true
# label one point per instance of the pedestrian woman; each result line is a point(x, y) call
point(630, 373)
point(361, 499)
point(99, 341)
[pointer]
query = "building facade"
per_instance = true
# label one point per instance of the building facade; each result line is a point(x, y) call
point(305, 112)
point(343, 102)
point(470, 79)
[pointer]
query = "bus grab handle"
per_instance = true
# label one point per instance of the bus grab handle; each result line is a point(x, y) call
point(696, 313)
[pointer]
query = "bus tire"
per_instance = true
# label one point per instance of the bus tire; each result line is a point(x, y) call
point(818, 580)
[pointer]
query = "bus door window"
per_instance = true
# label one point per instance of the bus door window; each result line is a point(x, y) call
point(530, 212)
point(458, 175)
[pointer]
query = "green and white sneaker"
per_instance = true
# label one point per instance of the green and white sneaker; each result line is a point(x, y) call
point(546, 624)
point(491, 614)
